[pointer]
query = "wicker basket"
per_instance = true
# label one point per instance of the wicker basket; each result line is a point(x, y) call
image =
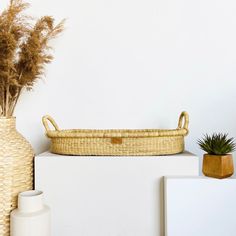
point(117, 142)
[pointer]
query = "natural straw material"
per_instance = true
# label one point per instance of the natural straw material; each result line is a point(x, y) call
point(16, 170)
point(25, 50)
point(117, 142)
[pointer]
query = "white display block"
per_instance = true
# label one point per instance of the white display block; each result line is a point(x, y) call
point(200, 206)
point(108, 196)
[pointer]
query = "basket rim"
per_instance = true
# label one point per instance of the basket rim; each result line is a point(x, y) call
point(181, 130)
point(110, 133)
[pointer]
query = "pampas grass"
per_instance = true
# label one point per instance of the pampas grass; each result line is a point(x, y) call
point(24, 52)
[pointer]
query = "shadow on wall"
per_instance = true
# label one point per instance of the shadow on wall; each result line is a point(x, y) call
point(45, 146)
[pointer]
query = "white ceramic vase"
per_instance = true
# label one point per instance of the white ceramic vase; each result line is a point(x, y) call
point(32, 217)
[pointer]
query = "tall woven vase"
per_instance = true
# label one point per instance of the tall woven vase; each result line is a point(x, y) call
point(16, 170)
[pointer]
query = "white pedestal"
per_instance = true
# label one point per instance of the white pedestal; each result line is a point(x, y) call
point(108, 196)
point(200, 206)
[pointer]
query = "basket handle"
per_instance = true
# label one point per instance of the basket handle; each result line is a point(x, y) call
point(50, 119)
point(183, 115)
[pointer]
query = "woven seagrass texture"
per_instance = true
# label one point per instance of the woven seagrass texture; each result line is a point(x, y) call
point(117, 142)
point(16, 170)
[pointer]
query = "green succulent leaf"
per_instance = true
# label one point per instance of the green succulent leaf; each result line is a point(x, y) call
point(217, 144)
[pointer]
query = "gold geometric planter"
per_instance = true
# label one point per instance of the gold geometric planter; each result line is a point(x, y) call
point(16, 170)
point(218, 166)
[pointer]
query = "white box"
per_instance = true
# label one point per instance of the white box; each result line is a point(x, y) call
point(200, 206)
point(108, 196)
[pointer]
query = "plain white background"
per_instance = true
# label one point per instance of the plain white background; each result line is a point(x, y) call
point(207, 206)
point(136, 64)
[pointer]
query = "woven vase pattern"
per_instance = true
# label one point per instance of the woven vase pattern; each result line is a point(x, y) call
point(16, 170)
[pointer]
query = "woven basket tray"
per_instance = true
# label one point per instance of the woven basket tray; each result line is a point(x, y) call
point(142, 142)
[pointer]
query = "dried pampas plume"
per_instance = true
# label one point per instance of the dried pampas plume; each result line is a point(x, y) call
point(24, 52)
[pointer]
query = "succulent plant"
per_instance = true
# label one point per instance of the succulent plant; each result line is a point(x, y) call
point(217, 144)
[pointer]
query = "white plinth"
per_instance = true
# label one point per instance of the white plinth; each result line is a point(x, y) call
point(200, 206)
point(108, 196)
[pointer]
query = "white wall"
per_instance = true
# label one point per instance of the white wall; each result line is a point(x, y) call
point(137, 64)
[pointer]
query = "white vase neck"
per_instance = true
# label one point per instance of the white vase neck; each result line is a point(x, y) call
point(30, 201)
